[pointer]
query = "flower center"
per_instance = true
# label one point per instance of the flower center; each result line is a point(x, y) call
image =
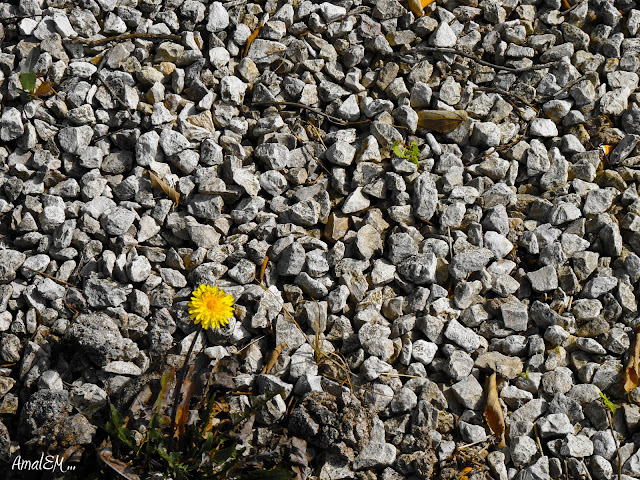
point(211, 302)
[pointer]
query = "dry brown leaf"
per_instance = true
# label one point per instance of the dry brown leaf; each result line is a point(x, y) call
point(630, 378)
point(272, 358)
point(493, 410)
point(123, 469)
point(182, 415)
point(607, 149)
point(417, 6)
point(443, 121)
point(163, 186)
point(250, 40)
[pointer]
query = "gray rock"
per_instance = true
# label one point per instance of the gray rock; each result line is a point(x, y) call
point(539, 470)
point(53, 212)
point(544, 279)
point(341, 154)
point(274, 155)
point(75, 140)
point(444, 36)
point(463, 336)
point(577, 446)
point(514, 315)
point(424, 351)
point(419, 269)
point(375, 455)
point(11, 126)
point(615, 102)
point(598, 286)
point(523, 450)
point(499, 245)
point(117, 221)
point(401, 246)
point(105, 292)
point(471, 433)
point(487, 133)
point(404, 400)
point(373, 367)
point(459, 365)
point(624, 148)
point(10, 261)
point(355, 202)
point(601, 468)
point(291, 260)
point(469, 392)
point(425, 197)
point(543, 127)
point(98, 335)
point(172, 142)
point(218, 19)
point(555, 425)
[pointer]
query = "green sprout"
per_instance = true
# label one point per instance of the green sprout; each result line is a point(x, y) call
point(412, 154)
point(608, 403)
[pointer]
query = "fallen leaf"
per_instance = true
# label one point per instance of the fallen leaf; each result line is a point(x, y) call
point(493, 410)
point(44, 90)
point(566, 4)
point(417, 6)
point(630, 378)
point(607, 149)
point(272, 358)
point(443, 121)
point(251, 38)
point(163, 187)
point(123, 469)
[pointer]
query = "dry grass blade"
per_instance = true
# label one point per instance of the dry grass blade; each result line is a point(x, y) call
point(443, 121)
point(164, 187)
point(273, 357)
point(263, 268)
point(630, 378)
point(493, 410)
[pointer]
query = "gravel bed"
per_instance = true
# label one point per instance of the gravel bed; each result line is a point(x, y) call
point(397, 287)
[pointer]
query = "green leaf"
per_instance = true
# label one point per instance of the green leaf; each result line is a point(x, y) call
point(414, 154)
point(32, 59)
point(396, 149)
point(275, 474)
point(608, 403)
point(224, 454)
point(28, 81)
point(115, 427)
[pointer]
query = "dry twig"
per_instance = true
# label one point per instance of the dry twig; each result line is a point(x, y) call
point(128, 36)
point(317, 111)
point(453, 51)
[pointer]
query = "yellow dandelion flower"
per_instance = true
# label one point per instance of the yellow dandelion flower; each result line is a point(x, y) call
point(210, 306)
